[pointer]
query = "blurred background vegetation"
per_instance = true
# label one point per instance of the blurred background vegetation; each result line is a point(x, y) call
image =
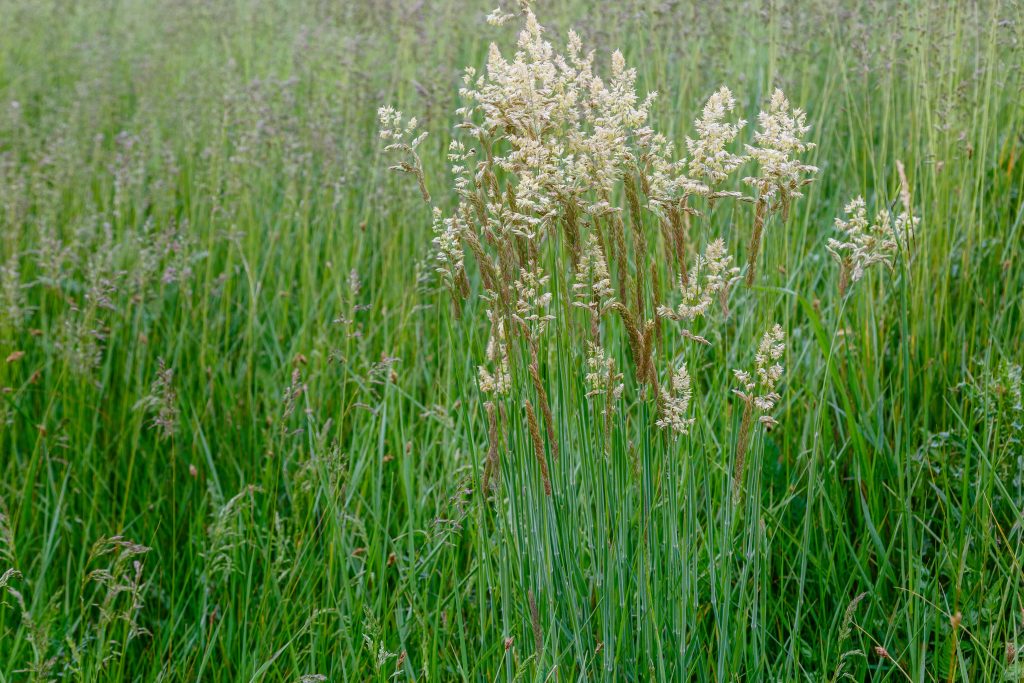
point(240, 437)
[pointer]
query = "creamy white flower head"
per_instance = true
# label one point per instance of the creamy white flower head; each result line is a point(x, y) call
point(498, 17)
point(450, 256)
point(865, 244)
point(532, 301)
point(570, 134)
point(777, 142)
point(460, 158)
point(390, 122)
point(675, 402)
point(711, 275)
point(709, 158)
point(759, 389)
point(391, 128)
point(601, 375)
point(593, 284)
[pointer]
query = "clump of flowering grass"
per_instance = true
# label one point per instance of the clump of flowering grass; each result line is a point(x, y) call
point(558, 166)
point(572, 221)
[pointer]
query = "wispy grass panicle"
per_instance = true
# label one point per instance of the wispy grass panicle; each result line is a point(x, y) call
point(592, 286)
point(710, 279)
point(450, 256)
point(226, 535)
point(13, 301)
point(865, 243)
point(162, 401)
point(675, 403)
point(759, 392)
point(845, 631)
point(402, 136)
point(710, 159)
point(603, 380)
point(778, 144)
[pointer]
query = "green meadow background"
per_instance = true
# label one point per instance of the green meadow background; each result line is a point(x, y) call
point(240, 433)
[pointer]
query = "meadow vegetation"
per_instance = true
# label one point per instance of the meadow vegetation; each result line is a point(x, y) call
point(431, 341)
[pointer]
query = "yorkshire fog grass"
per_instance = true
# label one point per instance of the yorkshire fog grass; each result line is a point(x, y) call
point(719, 384)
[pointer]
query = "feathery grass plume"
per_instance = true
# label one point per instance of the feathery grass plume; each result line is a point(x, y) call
point(115, 593)
point(374, 641)
point(37, 630)
point(553, 143)
point(532, 303)
point(781, 173)
point(865, 244)
point(845, 630)
point(568, 132)
point(12, 295)
point(10, 574)
point(592, 285)
point(675, 402)
point(498, 17)
point(446, 526)
point(122, 576)
point(602, 377)
point(758, 392)
point(293, 394)
point(37, 635)
point(710, 161)
point(162, 401)
point(712, 277)
point(450, 256)
point(226, 534)
point(603, 380)
point(403, 138)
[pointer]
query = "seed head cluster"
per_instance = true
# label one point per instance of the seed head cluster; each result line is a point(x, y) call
point(759, 389)
point(675, 403)
point(864, 244)
point(557, 167)
point(777, 144)
point(711, 277)
point(710, 158)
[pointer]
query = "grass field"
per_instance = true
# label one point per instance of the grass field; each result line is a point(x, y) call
point(244, 432)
